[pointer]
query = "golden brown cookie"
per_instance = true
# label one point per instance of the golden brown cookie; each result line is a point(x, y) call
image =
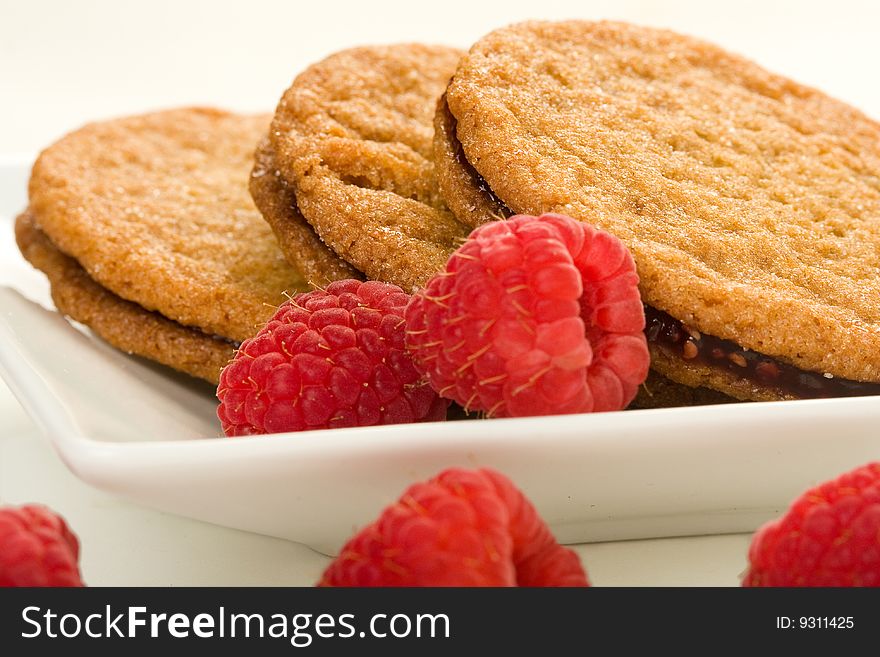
point(276, 201)
point(156, 209)
point(353, 135)
point(122, 323)
point(463, 189)
point(750, 202)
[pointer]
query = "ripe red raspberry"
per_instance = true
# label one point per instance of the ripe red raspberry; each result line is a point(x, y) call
point(37, 548)
point(829, 537)
point(328, 358)
point(461, 528)
point(533, 316)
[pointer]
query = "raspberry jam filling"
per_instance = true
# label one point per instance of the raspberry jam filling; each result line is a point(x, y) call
point(671, 334)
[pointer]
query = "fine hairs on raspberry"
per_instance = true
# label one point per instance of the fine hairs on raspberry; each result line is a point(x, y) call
point(533, 316)
point(327, 359)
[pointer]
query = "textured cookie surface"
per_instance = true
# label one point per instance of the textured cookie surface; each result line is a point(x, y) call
point(751, 204)
point(353, 135)
point(122, 323)
point(276, 201)
point(465, 192)
point(156, 209)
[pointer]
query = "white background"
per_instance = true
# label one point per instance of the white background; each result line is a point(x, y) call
point(65, 63)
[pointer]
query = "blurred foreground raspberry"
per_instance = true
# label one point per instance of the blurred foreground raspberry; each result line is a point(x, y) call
point(37, 548)
point(829, 537)
point(461, 528)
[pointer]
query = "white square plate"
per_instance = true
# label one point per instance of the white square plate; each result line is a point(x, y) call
point(141, 431)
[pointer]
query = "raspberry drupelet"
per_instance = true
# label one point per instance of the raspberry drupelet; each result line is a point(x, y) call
point(326, 359)
point(533, 316)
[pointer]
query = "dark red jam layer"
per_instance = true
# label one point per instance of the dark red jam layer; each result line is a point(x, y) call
point(669, 333)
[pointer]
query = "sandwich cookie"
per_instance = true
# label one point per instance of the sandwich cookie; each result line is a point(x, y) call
point(155, 208)
point(750, 202)
point(147, 233)
point(123, 324)
point(353, 138)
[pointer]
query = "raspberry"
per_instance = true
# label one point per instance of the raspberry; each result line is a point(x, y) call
point(533, 316)
point(37, 548)
point(461, 528)
point(829, 537)
point(326, 359)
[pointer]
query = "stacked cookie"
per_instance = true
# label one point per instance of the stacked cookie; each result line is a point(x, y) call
point(750, 203)
point(147, 234)
point(353, 138)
